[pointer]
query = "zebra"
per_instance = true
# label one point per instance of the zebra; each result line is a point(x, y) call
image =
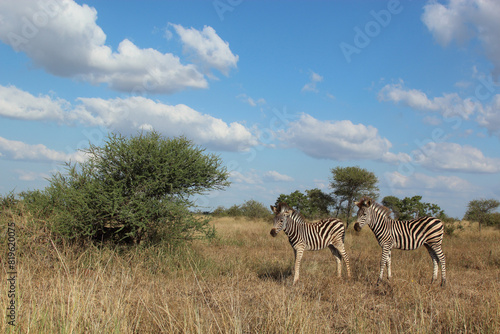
point(303, 235)
point(406, 235)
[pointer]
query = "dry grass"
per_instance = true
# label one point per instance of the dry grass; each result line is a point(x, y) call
point(241, 283)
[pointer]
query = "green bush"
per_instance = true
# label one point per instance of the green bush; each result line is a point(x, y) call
point(131, 189)
point(250, 209)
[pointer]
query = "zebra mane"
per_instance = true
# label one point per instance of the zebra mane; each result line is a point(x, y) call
point(383, 209)
point(367, 201)
point(282, 207)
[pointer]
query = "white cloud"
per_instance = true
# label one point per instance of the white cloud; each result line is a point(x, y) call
point(337, 140)
point(272, 175)
point(17, 150)
point(128, 115)
point(489, 117)
point(454, 157)
point(30, 175)
point(419, 181)
point(18, 104)
point(449, 105)
point(131, 114)
point(257, 177)
point(63, 38)
point(461, 20)
point(311, 86)
point(247, 178)
point(207, 48)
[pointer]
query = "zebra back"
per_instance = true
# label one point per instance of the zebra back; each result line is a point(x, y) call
point(403, 234)
point(314, 235)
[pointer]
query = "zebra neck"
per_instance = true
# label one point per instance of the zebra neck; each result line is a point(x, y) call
point(381, 220)
point(293, 223)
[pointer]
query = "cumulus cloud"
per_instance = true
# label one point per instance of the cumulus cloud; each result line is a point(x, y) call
point(17, 150)
point(454, 157)
point(128, 115)
point(449, 105)
point(207, 48)
point(337, 140)
point(489, 117)
point(63, 38)
point(131, 114)
point(462, 20)
point(421, 181)
point(18, 104)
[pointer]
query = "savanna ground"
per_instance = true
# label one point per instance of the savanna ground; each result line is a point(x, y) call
point(241, 283)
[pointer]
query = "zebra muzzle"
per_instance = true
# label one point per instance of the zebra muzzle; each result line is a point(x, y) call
point(273, 232)
point(357, 228)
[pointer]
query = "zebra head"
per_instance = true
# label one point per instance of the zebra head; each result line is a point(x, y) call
point(364, 212)
point(282, 214)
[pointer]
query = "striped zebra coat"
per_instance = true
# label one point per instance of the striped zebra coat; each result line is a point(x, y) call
point(407, 235)
point(303, 235)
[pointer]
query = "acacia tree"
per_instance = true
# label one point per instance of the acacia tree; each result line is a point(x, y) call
point(411, 207)
point(481, 210)
point(314, 203)
point(350, 183)
point(135, 187)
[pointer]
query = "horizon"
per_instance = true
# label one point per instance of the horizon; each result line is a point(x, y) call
point(282, 92)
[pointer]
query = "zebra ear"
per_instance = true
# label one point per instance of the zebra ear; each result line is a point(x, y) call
point(274, 210)
point(358, 204)
point(288, 212)
point(368, 202)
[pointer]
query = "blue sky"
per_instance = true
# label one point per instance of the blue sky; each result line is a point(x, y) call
point(283, 91)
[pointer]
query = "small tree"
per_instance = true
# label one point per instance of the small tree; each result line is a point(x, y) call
point(134, 187)
point(351, 183)
point(412, 207)
point(481, 210)
point(393, 203)
point(319, 202)
point(296, 200)
point(313, 204)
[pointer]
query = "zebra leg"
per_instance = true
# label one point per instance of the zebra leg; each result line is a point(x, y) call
point(388, 263)
point(385, 254)
point(338, 258)
point(341, 251)
point(298, 257)
point(435, 260)
point(442, 260)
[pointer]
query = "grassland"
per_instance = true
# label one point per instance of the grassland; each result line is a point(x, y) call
point(241, 283)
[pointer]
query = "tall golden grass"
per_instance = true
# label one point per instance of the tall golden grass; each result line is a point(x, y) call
point(241, 283)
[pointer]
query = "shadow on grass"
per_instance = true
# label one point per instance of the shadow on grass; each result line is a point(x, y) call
point(275, 273)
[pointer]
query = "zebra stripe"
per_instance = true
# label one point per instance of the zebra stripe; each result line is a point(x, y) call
point(406, 235)
point(303, 235)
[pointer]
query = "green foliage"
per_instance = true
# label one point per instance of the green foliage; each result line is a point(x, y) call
point(480, 210)
point(296, 200)
point(131, 189)
point(313, 204)
point(412, 207)
point(351, 183)
point(250, 209)
point(393, 203)
point(8, 201)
